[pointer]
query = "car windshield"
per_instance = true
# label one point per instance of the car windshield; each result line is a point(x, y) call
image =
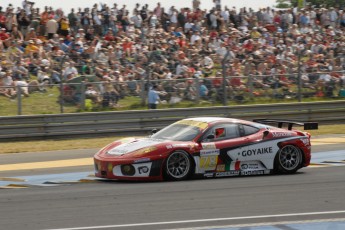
point(178, 132)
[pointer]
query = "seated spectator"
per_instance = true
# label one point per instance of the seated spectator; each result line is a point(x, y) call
point(92, 93)
point(4, 90)
point(69, 69)
point(8, 84)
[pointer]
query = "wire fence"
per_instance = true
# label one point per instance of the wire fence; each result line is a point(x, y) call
point(87, 93)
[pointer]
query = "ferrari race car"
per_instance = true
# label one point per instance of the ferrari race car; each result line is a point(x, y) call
point(208, 147)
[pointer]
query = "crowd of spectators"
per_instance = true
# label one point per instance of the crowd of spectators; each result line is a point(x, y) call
point(120, 47)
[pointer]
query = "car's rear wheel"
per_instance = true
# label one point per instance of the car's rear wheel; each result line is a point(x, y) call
point(289, 159)
point(178, 165)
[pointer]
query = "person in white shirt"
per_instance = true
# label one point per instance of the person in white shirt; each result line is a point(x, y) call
point(70, 69)
point(333, 16)
point(188, 25)
point(52, 27)
point(207, 62)
point(137, 20)
point(213, 20)
point(225, 15)
point(195, 38)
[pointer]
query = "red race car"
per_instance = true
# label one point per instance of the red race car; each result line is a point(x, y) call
point(208, 147)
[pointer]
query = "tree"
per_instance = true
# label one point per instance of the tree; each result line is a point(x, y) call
point(283, 4)
point(320, 3)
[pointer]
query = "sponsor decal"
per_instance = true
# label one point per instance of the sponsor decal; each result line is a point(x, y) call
point(208, 145)
point(143, 151)
point(262, 151)
point(199, 124)
point(228, 173)
point(208, 162)
point(180, 146)
point(208, 174)
point(254, 152)
point(143, 169)
point(256, 172)
point(281, 134)
point(209, 152)
point(220, 168)
point(250, 166)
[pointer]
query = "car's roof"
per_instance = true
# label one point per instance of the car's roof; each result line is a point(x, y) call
point(215, 120)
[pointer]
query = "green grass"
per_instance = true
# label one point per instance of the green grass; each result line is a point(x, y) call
point(47, 103)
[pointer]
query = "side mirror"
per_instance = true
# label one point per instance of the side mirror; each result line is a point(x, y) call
point(153, 131)
point(265, 134)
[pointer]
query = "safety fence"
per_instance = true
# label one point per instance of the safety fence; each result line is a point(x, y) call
point(89, 93)
point(141, 122)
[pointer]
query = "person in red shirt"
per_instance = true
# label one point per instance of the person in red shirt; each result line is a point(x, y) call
point(4, 37)
point(127, 46)
point(109, 36)
point(248, 45)
point(2, 19)
point(213, 33)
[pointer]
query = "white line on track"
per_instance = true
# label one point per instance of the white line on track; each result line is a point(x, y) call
point(201, 220)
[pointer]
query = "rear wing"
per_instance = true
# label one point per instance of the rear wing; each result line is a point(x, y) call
point(280, 123)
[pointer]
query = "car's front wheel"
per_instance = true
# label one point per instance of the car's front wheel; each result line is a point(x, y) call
point(289, 159)
point(178, 166)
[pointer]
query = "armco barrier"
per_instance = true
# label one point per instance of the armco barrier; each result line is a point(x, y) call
point(129, 122)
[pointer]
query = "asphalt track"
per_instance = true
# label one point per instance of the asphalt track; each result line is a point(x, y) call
point(311, 199)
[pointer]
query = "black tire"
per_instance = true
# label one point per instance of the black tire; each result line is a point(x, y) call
point(178, 166)
point(288, 160)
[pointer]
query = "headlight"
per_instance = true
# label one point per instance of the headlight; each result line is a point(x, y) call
point(127, 170)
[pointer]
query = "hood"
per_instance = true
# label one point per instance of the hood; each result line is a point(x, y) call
point(132, 146)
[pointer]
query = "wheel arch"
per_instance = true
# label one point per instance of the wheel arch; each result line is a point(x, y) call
point(281, 145)
point(191, 158)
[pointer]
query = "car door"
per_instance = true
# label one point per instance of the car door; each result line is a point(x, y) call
point(222, 147)
point(214, 145)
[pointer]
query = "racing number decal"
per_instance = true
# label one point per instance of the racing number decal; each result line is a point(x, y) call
point(208, 162)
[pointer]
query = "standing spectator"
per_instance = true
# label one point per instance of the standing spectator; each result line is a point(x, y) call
point(44, 19)
point(73, 21)
point(52, 27)
point(153, 98)
point(23, 22)
point(11, 19)
point(196, 4)
point(137, 20)
point(333, 17)
point(64, 26)
point(213, 19)
point(218, 4)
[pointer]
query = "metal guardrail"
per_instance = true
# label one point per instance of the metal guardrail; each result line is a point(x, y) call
point(130, 122)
